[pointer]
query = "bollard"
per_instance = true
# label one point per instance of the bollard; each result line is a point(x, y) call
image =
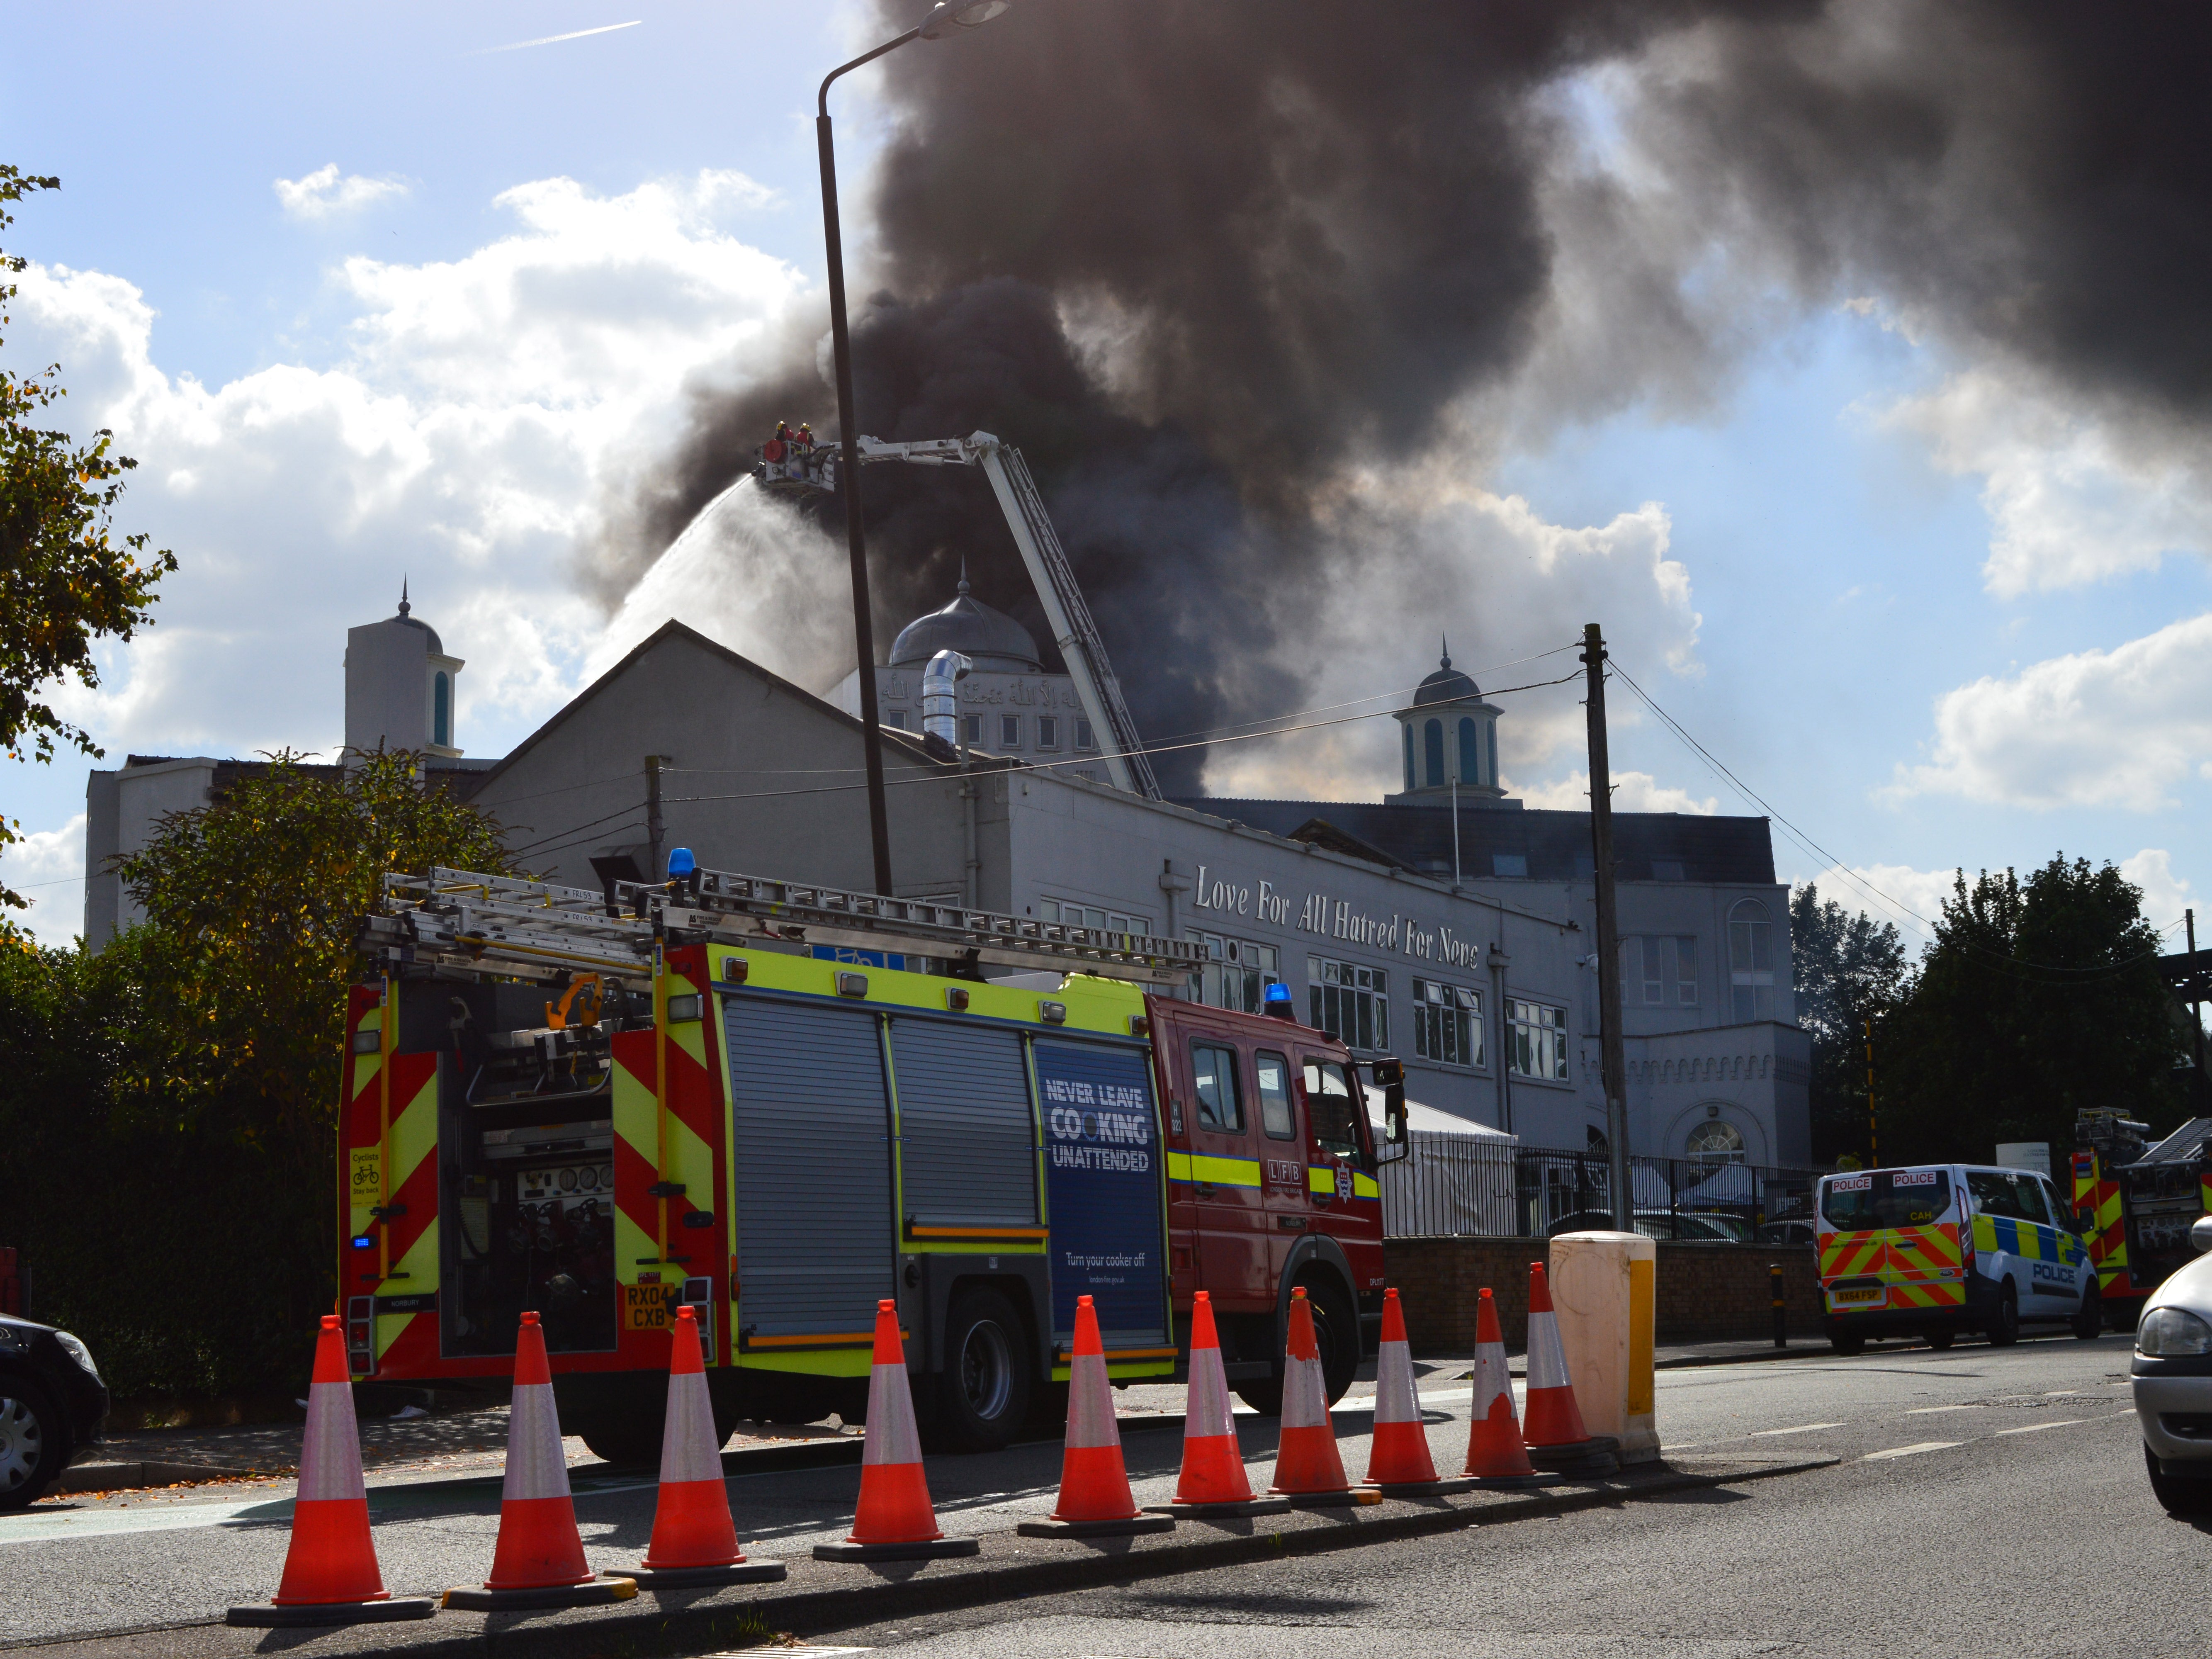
point(1604, 1290)
point(1781, 1304)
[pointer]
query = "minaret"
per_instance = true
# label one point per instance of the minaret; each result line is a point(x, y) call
point(1448, 740)
point(400, 686)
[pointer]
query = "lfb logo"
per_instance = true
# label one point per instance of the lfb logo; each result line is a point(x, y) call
point(1344, 1180)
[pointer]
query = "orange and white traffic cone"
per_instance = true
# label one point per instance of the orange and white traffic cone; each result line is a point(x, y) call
point(1398, 1461)
point(1095, 1501)
point(894, 1521)
point(695, 1541)
point(1496, 1454)
point(331, 1576)
point(1553, 1431)
point(1213, 1481)
point(1307, 1466)
point(538, 1561)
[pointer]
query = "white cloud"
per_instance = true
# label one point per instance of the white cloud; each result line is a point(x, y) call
point(465, 439)
point(2075, 493)
point(2165, 894)
point(1633, 792)
point(2096, 728)
point(46, 866)
point(1911, 899)
point(325, 194)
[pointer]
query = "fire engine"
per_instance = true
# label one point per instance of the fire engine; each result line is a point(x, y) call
point(780, 1102)
point(2141, 1202)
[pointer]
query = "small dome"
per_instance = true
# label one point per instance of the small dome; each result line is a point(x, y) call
point(993, 640)
point(1447, 684)
point(437, 646)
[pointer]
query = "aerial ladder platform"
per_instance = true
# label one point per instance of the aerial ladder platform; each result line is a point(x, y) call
point(798, 469)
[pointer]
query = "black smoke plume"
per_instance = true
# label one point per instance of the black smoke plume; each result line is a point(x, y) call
point(1205, 260)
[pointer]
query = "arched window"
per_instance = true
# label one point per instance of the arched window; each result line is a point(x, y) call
point(1432, 747)
point(1716, 1142)
point(1751, 960)
point(1411, 780)
point(1470, 751)
point(441, 710)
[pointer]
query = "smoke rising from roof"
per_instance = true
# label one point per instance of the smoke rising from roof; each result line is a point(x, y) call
point(1232, 273)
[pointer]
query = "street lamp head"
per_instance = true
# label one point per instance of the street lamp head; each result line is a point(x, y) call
point(960, 14)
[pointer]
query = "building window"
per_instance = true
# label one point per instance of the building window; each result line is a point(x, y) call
point(1048, 731)
point(971, 730)
point(895, 718)
point(1432, 752)
point(1716, 1142)
point(1237, 972)
point(1539, 1038)
point(1447, 1023)
point(1412, 783)
point(1084, 737)
point(1010, 730)
point(1751, 962)
point(1514, 865)
point(1666, 869)
point(1090, 915)
point(1350, 1003)
point(1470, 752)
point(1665, 965)
point(441, 709)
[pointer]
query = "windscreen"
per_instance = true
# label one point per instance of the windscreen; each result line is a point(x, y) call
point(1885, 1198)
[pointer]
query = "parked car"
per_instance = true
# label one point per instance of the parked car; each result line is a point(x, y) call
point(52, 1402)
point(1685, 1226)
point(2173, 1381)
point(1785, 1232)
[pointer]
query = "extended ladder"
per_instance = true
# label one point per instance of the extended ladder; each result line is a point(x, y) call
point(465, 920)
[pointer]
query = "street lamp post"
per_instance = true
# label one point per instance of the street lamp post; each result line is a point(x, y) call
point(943, 15)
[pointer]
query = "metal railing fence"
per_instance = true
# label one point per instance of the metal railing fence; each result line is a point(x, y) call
point(1459, 1186)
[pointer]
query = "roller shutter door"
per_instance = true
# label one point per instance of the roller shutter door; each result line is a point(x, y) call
point(968, 1143)
point(810, 1148)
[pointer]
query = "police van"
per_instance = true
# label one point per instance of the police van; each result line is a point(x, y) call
point(1938, 1249)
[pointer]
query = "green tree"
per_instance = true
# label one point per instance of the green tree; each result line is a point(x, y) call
point(1848, 968)
point(65, 581)
point(2035, 998)
point(169, 1108)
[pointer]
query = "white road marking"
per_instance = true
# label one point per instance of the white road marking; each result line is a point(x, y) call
point(2036, 1428)
point(1912, 1451)
point(1802, 1428)
point(2053, 1394)
point(1929, 1411)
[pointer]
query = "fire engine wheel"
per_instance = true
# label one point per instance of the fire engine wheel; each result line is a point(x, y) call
point(32, 1442)
point(1336, 1335)
point(2003, 1329)
point(2177, 1494)
point(2089, 1323)
point(983, 1395)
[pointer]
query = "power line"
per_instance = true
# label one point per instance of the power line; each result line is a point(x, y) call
point(1805, 841)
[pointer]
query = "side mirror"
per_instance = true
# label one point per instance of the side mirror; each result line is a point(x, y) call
point(2200, 1234)
point(1390, 1078)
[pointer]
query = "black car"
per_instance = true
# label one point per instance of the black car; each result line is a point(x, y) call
point(52, 1402)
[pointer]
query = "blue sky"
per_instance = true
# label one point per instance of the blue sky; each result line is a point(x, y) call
point(1931, 609)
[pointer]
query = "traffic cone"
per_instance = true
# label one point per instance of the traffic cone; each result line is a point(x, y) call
point(694, 1539)
point(1307, 1465)
point(1398, 1461)
point(331, 1576)
point(538, 1561)
point(1213, 1480)
point(1496, 1454)
point(895, 1521)
point(1553, 1433)
point(1095, 1501)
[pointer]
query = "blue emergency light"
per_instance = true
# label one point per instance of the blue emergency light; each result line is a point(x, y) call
point(1276, 1001)
point(364, 1241)
point(681, 863)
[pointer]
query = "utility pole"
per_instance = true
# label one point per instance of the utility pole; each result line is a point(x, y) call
point(1874, 1136)
point(2195, 1018)
point(653, 828)
point(1613, 1058)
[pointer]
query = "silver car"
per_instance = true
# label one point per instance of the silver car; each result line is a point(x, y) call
point(2173, 1382)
